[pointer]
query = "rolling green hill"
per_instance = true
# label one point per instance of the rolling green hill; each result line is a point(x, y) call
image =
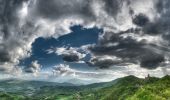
point(127, 88)
point(133, 88)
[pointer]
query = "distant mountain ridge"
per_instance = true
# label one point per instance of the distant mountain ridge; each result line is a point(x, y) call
point(126, 88)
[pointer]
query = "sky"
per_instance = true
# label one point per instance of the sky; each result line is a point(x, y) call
point(84, 41)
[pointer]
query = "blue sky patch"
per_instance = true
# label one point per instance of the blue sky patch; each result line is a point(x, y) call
point(78, 37)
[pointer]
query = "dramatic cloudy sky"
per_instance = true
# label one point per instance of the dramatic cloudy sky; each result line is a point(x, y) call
point(84, 41)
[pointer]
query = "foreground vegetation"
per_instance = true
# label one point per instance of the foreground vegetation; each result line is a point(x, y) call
point(127, 88)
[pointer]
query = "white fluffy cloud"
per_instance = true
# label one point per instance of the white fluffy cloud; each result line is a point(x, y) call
point(65, 73)
point(68, 54)
point(62, 70)
point(34, 68)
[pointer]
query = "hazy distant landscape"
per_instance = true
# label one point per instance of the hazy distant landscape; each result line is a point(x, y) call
point(126, 88)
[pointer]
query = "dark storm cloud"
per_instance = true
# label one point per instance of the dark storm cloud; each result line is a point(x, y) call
point(69, 54)
point(152, 60)
point(71, 57)
point(161, 6)
point(4, 56)
point(112, 7)
point(103, 62)
point(160, 25)
point(128, 49)
point(123, 45)
point(140, 20)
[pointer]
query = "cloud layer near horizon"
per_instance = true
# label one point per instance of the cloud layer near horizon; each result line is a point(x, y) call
point(135, 31)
